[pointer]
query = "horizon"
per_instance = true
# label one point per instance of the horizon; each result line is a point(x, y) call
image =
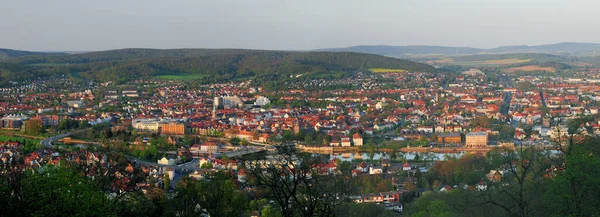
point(284, 25)
point(316, 49)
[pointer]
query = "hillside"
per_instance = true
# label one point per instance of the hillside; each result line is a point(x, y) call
point(567, 48)
point(9, 53)
point(208, 65)
point(406, 50)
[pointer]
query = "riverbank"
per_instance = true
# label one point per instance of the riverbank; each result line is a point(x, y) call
point(330, 150)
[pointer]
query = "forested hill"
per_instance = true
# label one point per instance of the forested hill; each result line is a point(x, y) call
point(566, 48)
point(215, 65)
point(129, 54)
point(8, 53)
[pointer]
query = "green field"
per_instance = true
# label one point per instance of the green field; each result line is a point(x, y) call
point(4, 138)
point(384, 70)
point(181, 77)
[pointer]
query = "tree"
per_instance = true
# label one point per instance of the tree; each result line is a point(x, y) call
point(287, 135)
point(235, 141)
point(59, 191)
point(217, 197)
point(435, 208)
point(362, 209)
point(295, 182)
point(206, 165)
point(166, 181)
point(34, 126)
point(570, 193)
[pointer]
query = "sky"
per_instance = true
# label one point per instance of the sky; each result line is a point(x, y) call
point(82, 25)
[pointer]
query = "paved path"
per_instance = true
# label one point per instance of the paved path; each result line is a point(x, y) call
point(48, 141)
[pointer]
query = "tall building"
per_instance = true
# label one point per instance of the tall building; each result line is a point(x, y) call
point(476, 140)
point(172, 128)
point(228, 101)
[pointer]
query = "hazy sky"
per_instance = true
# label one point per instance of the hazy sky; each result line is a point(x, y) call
point(86, 25)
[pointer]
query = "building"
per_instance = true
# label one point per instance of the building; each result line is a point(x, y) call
point(172, 128)
point(149, 125)
point(12, 121)
point(228, 102)
point(261, 101)
point(76, 104)
point(130, 92)
point(357, 139)
point(449, 138)
point(165, 161)
point(209, 147)
point(406, 167)
point(476, 140)
point(345, 141)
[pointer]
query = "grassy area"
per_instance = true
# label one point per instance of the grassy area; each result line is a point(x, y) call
point(492, 62)
point(4, 138)
point(530, 69)
point(181, 77)
point(384, 70)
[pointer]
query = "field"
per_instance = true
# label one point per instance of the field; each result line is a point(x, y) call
point(384, 70)
point(494, 62)
point(4, 138)
point(181, 77)
point(530, 69)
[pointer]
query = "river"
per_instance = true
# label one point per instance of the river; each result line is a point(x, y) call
point(379, 155)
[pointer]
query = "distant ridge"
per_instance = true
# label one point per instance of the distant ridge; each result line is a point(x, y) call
point(9, 53)
point(565, 48)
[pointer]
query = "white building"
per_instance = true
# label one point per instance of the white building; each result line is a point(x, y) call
point(165, 161)
point(261, 101)
point(151, 125)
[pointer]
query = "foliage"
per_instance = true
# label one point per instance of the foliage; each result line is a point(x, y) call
point(298, 184)
point(213, 65)
point(363, 209)
point(53, 191)
point(217, 196)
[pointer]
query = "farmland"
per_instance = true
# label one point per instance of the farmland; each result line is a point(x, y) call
point(530, 68)
point(493, 62)
point(384, 70)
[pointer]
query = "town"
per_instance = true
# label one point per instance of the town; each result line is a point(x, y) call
point(385, 130)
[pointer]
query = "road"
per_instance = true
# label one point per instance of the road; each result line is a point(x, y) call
point(48, 141)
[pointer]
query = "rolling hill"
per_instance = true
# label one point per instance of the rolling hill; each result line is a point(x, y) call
point(207, 65)
point(9, 53)
point(566, 48)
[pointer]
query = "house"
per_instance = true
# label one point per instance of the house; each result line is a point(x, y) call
point(167, 161)
point(242, 175)
point(195, 148)
point(406, 167)
point(446, 188)
point(334, 142)
point(375, 170)
point(363, 167)
point(209, 147)
point(357, 139)
point(345, 141)
point(481, 186)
